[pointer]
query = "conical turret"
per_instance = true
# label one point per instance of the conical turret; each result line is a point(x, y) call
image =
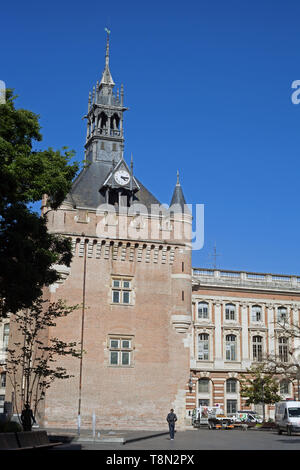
point(178, 201)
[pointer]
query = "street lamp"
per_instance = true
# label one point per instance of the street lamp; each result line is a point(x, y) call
point(298, 379)
point(263, 397)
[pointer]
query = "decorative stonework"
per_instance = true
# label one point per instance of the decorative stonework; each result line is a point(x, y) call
point(64, 272)
point(124, 250)
point(181, 323)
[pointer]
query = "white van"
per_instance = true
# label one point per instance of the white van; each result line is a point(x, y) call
point(287, 416)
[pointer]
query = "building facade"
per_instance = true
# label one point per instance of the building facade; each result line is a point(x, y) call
point(237, 322)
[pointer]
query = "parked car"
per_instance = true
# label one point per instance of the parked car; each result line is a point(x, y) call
point(287, 416)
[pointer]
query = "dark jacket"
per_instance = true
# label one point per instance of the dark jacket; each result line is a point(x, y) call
point(171, 418)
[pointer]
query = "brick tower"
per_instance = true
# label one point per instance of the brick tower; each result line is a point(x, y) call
point(131, 275)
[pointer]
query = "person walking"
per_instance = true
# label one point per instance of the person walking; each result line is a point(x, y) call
point(27, 418)
point(171, 418)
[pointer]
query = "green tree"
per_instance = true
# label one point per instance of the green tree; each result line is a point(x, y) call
point(32, 363)
point(259, 386)
point(27, 250)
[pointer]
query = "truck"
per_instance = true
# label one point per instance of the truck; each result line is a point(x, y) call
point(246, 416)
point(201, 415)
point(287, 416)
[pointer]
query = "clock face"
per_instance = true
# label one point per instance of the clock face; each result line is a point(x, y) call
point(122, 177)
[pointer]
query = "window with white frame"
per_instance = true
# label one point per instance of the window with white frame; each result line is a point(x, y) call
point(281, 314)
point(231, 407)
point(284, 387)
point(283, 349)
point(120, 351)
point(256, 313)
point(121, 290)
point(203, 310)
point(5, 336)
point(257, 348)
point(229, 312)
point(203, 347)
point(230, 344)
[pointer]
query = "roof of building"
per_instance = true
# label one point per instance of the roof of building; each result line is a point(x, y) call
point(85, 192)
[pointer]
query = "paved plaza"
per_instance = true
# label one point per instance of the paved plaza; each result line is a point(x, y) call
point(202, 439)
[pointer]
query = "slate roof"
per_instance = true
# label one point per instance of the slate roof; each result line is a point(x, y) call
point(85, 192)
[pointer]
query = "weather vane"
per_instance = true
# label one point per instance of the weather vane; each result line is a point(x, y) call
point(107, 30)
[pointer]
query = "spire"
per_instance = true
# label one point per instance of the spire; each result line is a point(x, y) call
point(106, 76)
point(178, 199)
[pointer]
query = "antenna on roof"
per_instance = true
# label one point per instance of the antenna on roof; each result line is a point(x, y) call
point(214, 255)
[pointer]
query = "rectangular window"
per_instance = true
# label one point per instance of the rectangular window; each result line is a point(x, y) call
point(121, 291)
point(202, 310)
point(2, 399)
point(231, 407)
point(3, 380)
point(5, 336)
point(120, 351)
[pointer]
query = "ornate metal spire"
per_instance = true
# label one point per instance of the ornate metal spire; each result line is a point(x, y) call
point(106, 76)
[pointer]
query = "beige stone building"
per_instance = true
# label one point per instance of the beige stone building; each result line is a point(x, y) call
point(236, 323)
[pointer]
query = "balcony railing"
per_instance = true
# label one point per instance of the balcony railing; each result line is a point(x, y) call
point(243, 278)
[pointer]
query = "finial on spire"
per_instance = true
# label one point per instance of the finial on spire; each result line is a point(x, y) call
point(107, 47)
point(106, 76)
point(177, 178)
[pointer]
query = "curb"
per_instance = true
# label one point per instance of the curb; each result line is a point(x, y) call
point(121, 440)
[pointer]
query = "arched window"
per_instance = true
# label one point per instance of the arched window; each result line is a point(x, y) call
point(256, 313)
point(229, 312)
point(203, 386)
point(102, 120)
point(203, 347)
point(231, 386)
point(257, 350)
point(281, 314)
point(230, 347)
point(114, 121)
point(284, 387)
point(283, 349)
point(202, 310)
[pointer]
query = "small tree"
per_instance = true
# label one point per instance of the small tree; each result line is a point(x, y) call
point(31, 363)
point(259, 387)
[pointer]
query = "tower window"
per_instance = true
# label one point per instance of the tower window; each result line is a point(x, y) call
point(121, 291)
point(120, 351)
point(114, 147)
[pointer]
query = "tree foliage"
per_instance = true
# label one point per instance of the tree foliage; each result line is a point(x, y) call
point(31, 363)
point(259, 386)
point(27, 250)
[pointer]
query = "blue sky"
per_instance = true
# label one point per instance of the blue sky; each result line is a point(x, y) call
point(208, 84)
